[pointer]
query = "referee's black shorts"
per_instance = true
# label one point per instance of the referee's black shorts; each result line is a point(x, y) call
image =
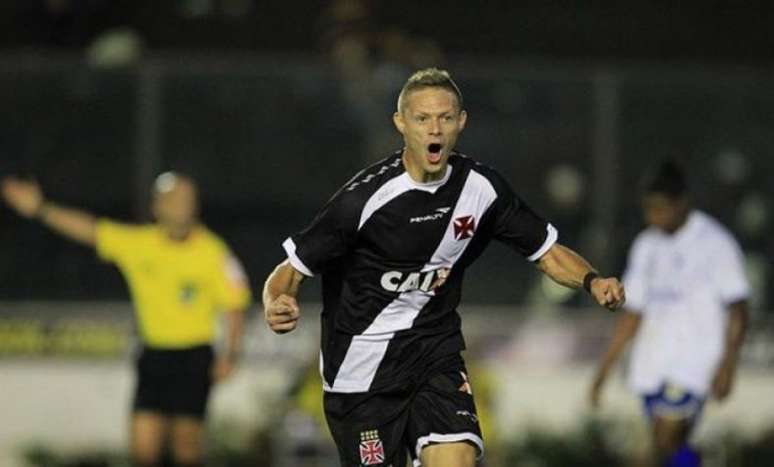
point(174, 382)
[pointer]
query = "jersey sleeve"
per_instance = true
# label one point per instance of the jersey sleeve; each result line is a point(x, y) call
point(728, 274)
point(635, 277)
point(518, 226)
point(329, 237)
point(115, 241)
point(233, 289)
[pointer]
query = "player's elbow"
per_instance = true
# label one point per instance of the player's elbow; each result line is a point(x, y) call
point(552, 265)
point(546, 263)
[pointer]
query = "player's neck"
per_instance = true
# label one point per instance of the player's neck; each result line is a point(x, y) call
point(680, 224)
point(418, 174)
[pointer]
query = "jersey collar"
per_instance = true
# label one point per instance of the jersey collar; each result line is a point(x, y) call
point(431, 187)
point(691, 225)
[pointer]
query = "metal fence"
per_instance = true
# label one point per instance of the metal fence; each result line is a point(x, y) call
point(270, 139)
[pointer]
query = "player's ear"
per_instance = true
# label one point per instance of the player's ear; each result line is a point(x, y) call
point(400, 124)
point(463, 119)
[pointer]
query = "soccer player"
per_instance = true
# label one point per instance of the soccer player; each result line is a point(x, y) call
point(180, 275)
point(687, 307)
point(392, 246)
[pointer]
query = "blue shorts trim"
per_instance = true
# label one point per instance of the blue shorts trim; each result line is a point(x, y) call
point(673, 401)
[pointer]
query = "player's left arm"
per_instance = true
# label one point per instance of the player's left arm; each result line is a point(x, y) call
point(723, 381)
point(570, 269)
point(518, 226)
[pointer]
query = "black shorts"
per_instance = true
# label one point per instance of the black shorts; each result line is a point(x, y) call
point(174, 382)
point(378, 429)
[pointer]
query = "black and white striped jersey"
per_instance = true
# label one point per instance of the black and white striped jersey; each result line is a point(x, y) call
point(379, 244)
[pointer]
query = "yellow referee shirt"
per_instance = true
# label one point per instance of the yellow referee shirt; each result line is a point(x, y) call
point(177, 287)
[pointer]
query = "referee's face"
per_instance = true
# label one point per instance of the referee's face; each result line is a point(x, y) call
point(177, 207)
point(430, 122)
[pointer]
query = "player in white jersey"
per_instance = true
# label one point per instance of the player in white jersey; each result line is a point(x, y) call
point(687, 311)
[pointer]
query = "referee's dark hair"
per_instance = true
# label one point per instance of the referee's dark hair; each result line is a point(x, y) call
point(666, 178)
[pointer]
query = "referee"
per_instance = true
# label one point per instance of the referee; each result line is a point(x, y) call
point(180, 275)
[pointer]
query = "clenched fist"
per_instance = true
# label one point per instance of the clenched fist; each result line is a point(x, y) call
point(608, 292)
point(282, 314)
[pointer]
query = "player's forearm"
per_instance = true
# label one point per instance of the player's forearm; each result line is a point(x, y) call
point(565, 266)
point(735, 332)
point(284, 280)
point(74, 224)
point(235, 325)
point(625, 329)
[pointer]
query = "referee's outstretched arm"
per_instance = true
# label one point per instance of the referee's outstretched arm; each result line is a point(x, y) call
point(27, 199)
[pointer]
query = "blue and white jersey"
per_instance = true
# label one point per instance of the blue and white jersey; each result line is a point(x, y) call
point(682, 285)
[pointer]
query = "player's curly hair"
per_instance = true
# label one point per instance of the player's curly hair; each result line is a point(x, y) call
point(666, 178)
point(429, 78)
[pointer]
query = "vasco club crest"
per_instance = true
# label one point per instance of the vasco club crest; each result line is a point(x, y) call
point(371, 448)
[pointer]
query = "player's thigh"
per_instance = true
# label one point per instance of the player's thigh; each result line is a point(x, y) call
point(368, 431)
point(148, 433)
point(449, 455)
point(444, 421)
point(187, 439)
point(673, 411)
point(670, 433)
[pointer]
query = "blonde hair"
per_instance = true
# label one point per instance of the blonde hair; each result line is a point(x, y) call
point(429, 78)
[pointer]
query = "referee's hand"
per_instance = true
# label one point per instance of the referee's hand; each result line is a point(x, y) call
point(23, 196)
point(282, 314)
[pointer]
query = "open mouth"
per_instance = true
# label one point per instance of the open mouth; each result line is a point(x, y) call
point(434, 153)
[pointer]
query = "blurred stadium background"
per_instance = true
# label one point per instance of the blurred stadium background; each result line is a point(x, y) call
point(272, 105)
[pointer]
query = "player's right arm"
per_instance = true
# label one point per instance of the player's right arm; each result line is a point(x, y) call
point(625, 330)
point(27, 199)
point(330, 236)
point(636, 280)
point(279, 298)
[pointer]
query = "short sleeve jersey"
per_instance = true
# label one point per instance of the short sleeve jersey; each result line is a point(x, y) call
point(380, 243)
point(177, 287)
point(682, 284)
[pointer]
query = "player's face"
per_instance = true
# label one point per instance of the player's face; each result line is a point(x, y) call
point(177, 208)
point(664, 212)
point(430, 122)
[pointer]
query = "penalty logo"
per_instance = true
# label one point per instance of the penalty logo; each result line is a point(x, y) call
point(438, 214)
point(371, 448)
